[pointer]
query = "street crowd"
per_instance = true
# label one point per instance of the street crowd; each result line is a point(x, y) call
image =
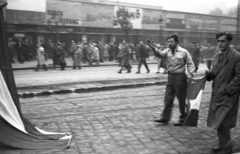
point(180, 63)
point(98, 52)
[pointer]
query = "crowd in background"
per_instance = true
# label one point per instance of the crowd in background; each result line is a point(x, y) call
point(98, 52)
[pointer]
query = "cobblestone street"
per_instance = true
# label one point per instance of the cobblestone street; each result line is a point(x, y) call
point(119, 122)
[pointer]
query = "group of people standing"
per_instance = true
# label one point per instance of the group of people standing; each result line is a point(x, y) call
point(55, 51)
point(22, 49)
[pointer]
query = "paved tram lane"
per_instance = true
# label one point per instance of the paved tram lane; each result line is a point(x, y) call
point(119, 122)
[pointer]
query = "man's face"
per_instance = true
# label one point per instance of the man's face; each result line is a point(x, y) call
point(223, 43)
point(141, 42)
point(171, 43)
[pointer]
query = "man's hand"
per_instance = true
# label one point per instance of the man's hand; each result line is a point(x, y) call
point(189, 80)
point(222, 91)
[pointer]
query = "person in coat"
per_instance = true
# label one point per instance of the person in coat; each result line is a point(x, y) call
point(94, 56)
point(224, 103)
point(73, 48)
point(143, 54)
point(61, 55)
point(124, 57)
point(40, 58)
point(196, 56)
point(77, 58)
point(161, 61)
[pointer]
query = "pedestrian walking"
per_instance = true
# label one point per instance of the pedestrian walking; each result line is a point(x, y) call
point(85, 56)
point(177, 60)
point(124, 57)
point(143, 54)
point(100, 47)
point(106, 52)
point(161, 61)
point(55, 56)
point(224, 102)
point(196, 56)
point(77, 57)
point(94, 56)
point(11, 49)
point(73, 48)
point(61, 56)
point(40, 58)
point(20, 51)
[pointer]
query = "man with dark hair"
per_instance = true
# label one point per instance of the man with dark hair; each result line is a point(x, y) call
point(224, 103)
point(143, 54)
point(177, 60)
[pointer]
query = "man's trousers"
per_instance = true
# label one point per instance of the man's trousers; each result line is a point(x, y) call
point(176, 86)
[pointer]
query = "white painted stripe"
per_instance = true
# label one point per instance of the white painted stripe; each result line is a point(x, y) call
point(195, 104)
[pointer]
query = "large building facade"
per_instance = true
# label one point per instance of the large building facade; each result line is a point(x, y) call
point(84, 20)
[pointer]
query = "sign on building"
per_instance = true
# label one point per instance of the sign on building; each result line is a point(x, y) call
point(26, 11)
point(153, 19)
point(97, 15)
point(63, 13)
point(202, 24)
point(137, 15)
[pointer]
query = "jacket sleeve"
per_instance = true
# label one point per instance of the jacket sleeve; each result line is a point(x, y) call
point(156, 52)
point(190, 65)
point(234, 85)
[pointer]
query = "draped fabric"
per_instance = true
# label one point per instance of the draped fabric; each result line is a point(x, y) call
point(15, 130)
point(194, 95)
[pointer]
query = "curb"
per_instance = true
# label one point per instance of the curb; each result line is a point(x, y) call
point(70, 66)
point(94, 89)
point(91, 89)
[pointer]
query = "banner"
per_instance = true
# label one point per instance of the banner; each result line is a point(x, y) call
point(194, 96)
point(137, 15)
point(96, 15)
point(15, 130)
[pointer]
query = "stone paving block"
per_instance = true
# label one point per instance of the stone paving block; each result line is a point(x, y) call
point(110, 124)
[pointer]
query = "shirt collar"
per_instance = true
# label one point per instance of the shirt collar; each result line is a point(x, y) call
point(177, 49)
point(225, 53)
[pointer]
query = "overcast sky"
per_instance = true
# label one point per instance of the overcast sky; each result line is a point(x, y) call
point(194, 6)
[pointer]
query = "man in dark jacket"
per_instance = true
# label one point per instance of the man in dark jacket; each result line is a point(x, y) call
point(143, 54)
point(224, 104)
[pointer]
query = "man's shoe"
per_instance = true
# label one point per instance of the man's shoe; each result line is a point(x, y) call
point(119, 72)
point(129, 71)
point(179, 123)
point(161, 121)
point(216, 150)
point(148, 71)
point(138, 72)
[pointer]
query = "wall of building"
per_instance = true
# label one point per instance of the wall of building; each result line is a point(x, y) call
point(92, 21)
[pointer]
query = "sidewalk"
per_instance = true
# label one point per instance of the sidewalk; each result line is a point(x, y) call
point(32, 64)
point(30, 83)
